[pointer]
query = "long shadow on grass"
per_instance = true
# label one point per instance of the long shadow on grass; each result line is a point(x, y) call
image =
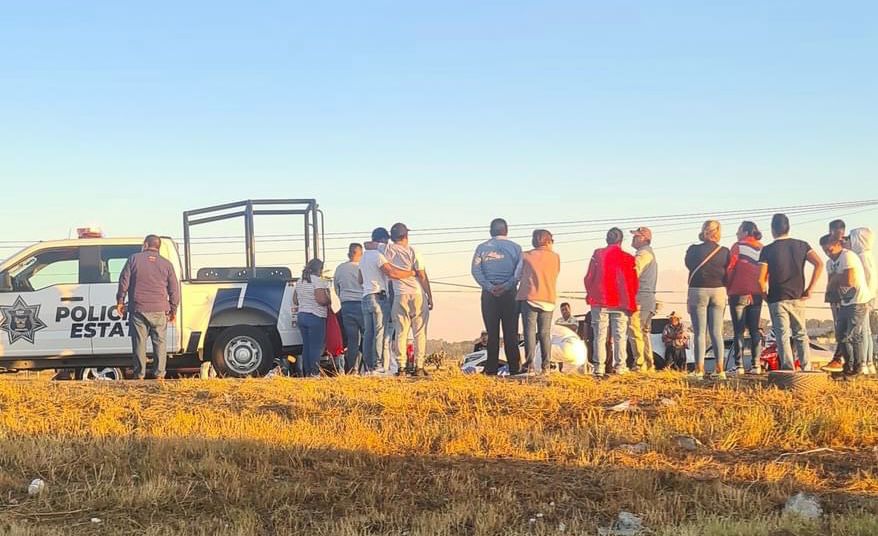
point(243, 487)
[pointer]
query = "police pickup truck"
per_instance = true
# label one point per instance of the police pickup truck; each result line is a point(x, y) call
point(57, 302)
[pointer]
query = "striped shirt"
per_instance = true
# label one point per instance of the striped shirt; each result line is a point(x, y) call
point(305, 294)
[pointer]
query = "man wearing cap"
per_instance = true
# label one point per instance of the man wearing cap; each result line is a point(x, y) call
point(640, 323)
point(412, 299)
point(611, 290)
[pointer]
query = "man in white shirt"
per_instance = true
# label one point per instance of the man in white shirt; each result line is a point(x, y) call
point(847, 286)
point(374, 273)
point(567, 319)
point(349, 292)
point(412, 298)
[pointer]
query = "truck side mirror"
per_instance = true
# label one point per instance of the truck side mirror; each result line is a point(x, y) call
point(6, 282)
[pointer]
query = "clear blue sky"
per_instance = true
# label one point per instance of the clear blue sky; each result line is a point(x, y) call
point(438, 114)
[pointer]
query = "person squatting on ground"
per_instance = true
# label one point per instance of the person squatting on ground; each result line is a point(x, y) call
point(153, 291)
point(412, 299)
point(676, 342)
point(567, 319)
point(611, 290)
point(707, 263)
point(493, 268)
point(782, 278)
point(847, 287)
point(640, 323)
point(350, 294)
point(745, 295)
point(481, 343)
point(311, 296)
point(538, 275)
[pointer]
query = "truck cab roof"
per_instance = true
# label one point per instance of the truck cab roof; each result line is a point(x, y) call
point(79, 242)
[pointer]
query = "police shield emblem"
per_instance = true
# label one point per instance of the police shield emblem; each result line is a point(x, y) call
point(20, 321)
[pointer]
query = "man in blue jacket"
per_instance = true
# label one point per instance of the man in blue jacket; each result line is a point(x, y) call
point(493, 269)
point(149, 282)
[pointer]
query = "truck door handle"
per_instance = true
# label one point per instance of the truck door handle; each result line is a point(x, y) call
point(72, 298)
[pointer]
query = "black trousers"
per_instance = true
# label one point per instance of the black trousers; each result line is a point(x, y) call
point(502, 311)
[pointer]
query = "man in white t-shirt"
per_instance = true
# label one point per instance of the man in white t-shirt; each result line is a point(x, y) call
point(567, 319)
point(412, 298)
point(374, 275)
point(847, 286)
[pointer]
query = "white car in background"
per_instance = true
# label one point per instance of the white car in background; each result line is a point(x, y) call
point(568, 351)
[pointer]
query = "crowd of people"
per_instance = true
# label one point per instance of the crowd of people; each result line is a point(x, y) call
point(621, 287)
point(386, 298)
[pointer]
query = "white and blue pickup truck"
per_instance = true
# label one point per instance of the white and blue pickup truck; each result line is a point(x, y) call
point(57, 303)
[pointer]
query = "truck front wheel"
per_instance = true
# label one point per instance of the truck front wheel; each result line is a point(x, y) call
point(242, 351)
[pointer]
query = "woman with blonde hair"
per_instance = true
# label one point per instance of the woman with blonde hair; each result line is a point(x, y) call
point(707, 263)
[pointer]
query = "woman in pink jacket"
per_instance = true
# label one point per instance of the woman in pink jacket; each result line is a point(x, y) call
point(745, 294)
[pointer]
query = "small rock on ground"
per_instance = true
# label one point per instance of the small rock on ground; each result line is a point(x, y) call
point(627, 524)
point(803, 505)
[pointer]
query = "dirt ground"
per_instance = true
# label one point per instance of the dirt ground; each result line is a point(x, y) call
point(451, 454)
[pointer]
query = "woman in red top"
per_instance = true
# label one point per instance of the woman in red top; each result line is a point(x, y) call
point(745, 294)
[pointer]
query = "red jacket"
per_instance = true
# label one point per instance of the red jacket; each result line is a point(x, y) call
point(742, 275)
point(611, 280)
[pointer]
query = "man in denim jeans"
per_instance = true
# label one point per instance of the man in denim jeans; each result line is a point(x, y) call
point(150, 284)
point(782, 278)
point(350, 294)
point(374, 272)
point(847, 287)
point(412, 299)
point(611, 290)
point(493, 268)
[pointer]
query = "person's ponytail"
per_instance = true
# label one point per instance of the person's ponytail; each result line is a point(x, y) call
point(751, 230)
point(314, 267)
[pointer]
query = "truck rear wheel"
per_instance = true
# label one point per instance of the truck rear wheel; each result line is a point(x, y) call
point(242, 351)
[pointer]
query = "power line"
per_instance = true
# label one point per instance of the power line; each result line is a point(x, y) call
point(667, 218)
point(667, 246)
point(840, 204)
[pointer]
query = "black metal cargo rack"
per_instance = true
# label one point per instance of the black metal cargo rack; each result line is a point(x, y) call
point(248, 210)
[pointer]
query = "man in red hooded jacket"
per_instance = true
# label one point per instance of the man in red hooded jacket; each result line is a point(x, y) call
point(611, 291)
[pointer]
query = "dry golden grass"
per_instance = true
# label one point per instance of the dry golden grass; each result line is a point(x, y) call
point(448, 455)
